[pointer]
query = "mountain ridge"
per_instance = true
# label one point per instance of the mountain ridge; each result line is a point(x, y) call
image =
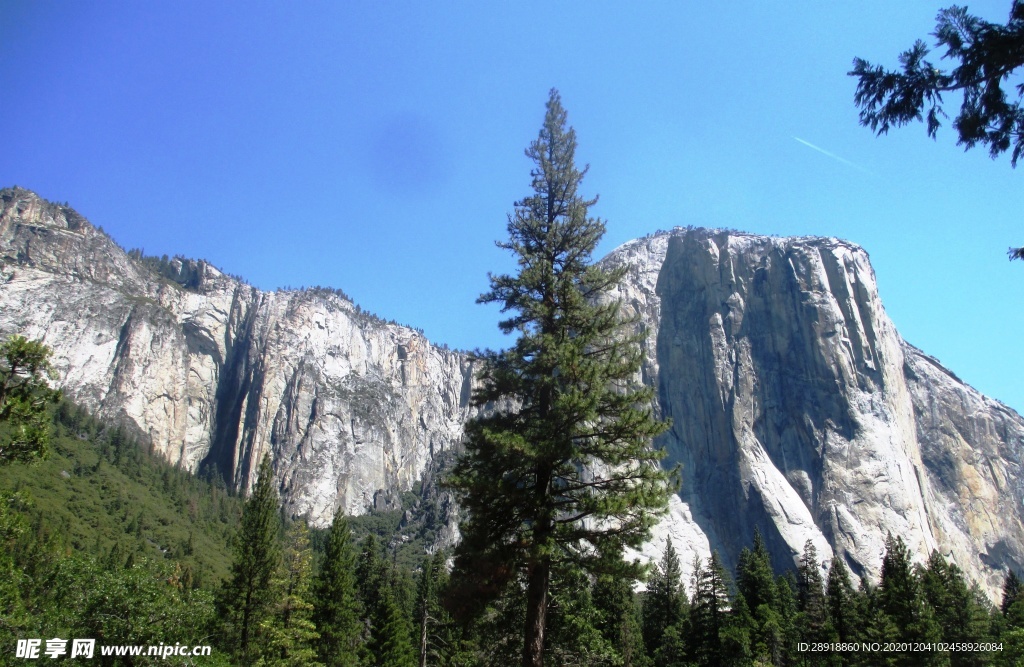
point(797, 409)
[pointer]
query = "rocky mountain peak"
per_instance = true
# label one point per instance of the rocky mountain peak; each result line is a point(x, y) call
point(21, 206)
point(797, 410)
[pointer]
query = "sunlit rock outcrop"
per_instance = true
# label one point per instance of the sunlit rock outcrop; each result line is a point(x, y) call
point(223, 373)
point(799, 411)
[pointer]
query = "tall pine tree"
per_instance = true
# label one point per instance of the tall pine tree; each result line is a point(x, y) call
point(708, 613)
point(392, 642)
point(290, 632)
point(957, 609)
point(901, 600)
point(1012, 589)
point(336, 609)
point(758, 612)
point(841, 600)
point(619, 619)
point(247, 598)
point(564, 470)
point(664, 602)
point(812, 619)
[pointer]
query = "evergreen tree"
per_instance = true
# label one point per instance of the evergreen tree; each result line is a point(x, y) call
point(573, 626)
point(371, 577)
point(788, 634)
point(387, 603)
point(403, 588)
point(1011, 591)
point(840, 598)
point(564, 472)
point(956, 609)
point(440, 641)
point(1012, 653)
point(24, 394)
point(619, 619)
point(708, 612)
point(877, 627)
point(754, 576)
point(739, 646)
point(986, 56)
point(812, 607)
point(290, 632)
point(14, 617)
point(573, 637)
point(757, 613)
point(900, 599)
point(498, 629)
point(393, 633)
point(426, 614)
point(337, 612)
point(810, 588)
point(664, 603)
point(671, 650)
point(248, 596)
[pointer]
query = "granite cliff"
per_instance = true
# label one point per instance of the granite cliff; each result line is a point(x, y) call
point(797, 408)
point(350, 407)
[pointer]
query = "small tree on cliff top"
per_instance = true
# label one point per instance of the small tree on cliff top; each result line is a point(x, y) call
point(568, 475)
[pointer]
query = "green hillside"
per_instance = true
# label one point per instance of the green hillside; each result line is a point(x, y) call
point(100, 493)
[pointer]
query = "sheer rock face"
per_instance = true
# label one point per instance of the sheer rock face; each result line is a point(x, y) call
point(346, 404)
point(796, 408)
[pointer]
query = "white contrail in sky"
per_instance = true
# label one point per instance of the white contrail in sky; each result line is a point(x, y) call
point(833, 156)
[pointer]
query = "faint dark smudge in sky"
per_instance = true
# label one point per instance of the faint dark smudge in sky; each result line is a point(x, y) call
point(405, 155)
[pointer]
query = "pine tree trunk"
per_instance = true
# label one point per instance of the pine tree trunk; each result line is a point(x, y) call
point(536, 613)
point(423, 637)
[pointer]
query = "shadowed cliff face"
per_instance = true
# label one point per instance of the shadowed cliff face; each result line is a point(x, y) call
point(797, 409)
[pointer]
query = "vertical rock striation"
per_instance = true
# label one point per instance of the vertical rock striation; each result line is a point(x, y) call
point(798, 410)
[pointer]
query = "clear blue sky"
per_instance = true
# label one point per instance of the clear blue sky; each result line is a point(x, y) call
point(377, 146)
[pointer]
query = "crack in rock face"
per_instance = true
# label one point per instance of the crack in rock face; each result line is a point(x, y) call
point(798, 411)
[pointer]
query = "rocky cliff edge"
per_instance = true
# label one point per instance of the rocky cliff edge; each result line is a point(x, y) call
point(216, 372)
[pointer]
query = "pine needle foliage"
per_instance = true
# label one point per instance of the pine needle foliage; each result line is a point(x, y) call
point(290, 631)
point(566, 475)
point(248, 596)
point(664, 601)
point(337, 611)
point(24, 396)
point(708, 612)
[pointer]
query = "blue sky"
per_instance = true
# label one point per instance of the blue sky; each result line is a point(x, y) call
point(377, 146)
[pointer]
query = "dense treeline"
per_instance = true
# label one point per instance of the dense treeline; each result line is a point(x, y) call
point(364, 609)
point(104, 540)
point(801, 617)
point(101, 492)
point(101, 539)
